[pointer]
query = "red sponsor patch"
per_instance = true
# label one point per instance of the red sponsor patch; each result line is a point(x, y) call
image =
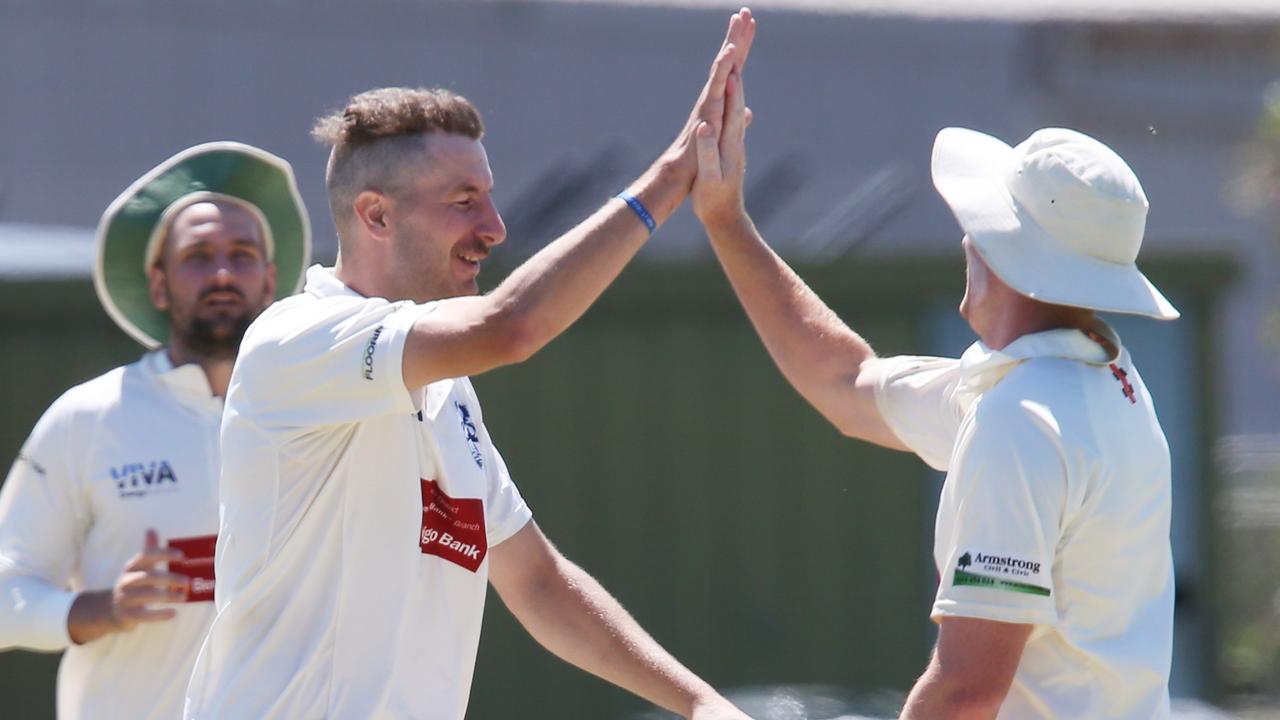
point(452, 528)
point(196, 564)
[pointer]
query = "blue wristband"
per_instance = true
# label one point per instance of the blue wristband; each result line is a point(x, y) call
point(641, 212)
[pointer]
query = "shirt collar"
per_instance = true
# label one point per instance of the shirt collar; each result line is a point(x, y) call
point(323, 283)
point(188, 382)
point(981, 367)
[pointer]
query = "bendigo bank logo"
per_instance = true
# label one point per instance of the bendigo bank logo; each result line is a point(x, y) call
point(196, 564)
point(138, 479)
point(452, 528)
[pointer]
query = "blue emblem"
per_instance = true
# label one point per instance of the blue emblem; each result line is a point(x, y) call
point(469, 429)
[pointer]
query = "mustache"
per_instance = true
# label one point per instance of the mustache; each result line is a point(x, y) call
point(228, 288)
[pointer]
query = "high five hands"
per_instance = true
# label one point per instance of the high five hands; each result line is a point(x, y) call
point(719, 127)
point(713, 108)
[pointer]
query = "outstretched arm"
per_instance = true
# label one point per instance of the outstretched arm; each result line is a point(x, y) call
point(541, 298)
point(827, 362)
point(570, 614)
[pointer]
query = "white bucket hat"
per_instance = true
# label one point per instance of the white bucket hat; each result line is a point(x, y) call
point(1059, 218)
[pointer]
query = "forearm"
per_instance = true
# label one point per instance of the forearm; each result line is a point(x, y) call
point(580, 622)
point(812, 347)
point(552, 289)
point(936, 697)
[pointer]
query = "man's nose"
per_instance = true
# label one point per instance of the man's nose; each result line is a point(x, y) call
point(492, 231)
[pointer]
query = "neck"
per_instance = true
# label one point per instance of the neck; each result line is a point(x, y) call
point(365, 272)
point(216, 370)
point(1029, 317)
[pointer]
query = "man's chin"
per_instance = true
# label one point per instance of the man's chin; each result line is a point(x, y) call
point(216, 337)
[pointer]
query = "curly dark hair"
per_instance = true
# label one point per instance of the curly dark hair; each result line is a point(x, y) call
point(379, 131)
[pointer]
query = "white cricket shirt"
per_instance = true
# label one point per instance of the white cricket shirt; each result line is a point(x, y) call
point(1055, 513)
point(357, 518)
point(133, 449)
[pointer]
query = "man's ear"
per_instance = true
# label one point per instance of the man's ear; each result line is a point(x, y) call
point(372, 213)
point(157, 288)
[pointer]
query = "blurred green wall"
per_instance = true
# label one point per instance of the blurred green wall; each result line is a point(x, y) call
point(661, 450)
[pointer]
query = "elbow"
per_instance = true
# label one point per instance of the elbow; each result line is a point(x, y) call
point(513, 337)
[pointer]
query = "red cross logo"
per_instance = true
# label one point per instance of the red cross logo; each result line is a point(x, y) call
point(1119, 374)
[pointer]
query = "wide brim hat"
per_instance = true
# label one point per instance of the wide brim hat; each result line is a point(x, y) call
point(135, 221)
point(1059, 218)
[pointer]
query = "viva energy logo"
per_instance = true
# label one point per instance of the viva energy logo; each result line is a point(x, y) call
point(137, 479)
point(998, 573)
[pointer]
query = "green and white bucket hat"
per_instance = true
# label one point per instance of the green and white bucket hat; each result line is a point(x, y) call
point(131, 232)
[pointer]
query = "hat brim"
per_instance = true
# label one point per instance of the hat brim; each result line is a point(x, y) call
point(969, 171)
point(229, 168)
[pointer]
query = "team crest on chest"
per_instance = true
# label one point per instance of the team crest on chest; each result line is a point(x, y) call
point(469, 429)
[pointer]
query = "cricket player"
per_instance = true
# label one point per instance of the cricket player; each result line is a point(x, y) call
point(364, 505)
point(109, 516)
point(1055, 597)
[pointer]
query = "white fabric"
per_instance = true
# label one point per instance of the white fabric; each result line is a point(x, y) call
point(328, 604)
point(1055, 512)
point(1058, 218)
point(133, 449)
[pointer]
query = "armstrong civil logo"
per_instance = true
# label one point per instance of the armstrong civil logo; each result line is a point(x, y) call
point(998, 572)
point(473, 437)
point(369, 350)
point(139, 479)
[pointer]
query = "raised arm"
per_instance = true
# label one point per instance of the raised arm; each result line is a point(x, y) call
point(827, 362)
point(546, 294)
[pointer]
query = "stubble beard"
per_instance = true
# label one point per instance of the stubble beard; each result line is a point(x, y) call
point(215, 338)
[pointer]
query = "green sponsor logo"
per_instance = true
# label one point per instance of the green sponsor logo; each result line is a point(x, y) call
point(963, 577)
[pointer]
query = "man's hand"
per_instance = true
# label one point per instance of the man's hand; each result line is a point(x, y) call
point(142, 584)
point(722, 160)
point(710, 107)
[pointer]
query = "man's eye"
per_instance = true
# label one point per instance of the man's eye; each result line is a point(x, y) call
point(464, 203)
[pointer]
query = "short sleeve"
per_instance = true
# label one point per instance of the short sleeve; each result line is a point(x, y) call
point(505, 509)
point(41, 527)
point(999, 518)
point(917, 397)
point(325, 362)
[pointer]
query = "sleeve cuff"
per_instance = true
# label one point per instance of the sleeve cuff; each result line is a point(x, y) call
point(514, 525)
point(391, 363)
point(33, 614)
point(998, 613)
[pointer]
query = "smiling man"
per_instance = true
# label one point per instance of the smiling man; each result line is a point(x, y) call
point(365, 507)
point(108, 517)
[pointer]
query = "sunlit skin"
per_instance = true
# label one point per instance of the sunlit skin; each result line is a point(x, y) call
point(212, 278)
point(999, 314)
point(431, 237)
